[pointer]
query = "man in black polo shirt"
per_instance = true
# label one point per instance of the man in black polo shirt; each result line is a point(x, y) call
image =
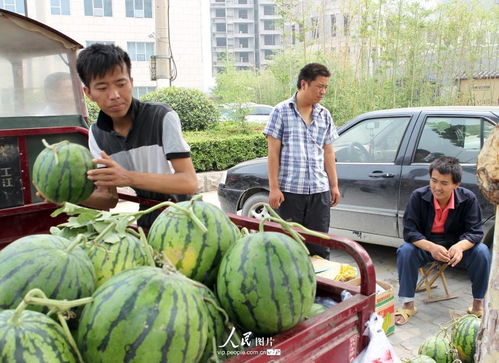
point(136, 144)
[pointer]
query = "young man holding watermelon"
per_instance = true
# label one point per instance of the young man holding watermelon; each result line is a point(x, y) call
point(301, 162)
point(136, 144)
point(442, 222)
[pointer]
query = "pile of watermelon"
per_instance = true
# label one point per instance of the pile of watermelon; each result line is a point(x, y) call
point(459, 347)
point(194, 283)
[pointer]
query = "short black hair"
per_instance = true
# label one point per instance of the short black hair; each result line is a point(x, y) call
point(448, 165)
point(311, 71)
point(99, 59)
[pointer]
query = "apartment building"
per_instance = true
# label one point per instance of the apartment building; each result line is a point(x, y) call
point(131, 24)
point(248, 32)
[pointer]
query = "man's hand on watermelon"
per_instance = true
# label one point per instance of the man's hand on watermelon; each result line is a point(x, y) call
point(109, 173)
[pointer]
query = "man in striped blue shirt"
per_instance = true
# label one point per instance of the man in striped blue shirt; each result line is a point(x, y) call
point(301, 162)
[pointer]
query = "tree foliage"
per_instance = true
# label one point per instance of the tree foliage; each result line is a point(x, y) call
point(398, 53)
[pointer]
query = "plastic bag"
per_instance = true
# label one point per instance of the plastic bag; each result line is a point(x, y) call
point(379, 349)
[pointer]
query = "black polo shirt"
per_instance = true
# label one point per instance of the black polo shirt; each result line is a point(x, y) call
point(154, 138)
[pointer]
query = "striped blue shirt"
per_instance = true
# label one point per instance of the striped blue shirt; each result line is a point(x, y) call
point(301, 168)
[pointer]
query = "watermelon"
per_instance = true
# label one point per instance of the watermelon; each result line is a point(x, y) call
point(60, 172)
point(316, 309)
point(463, 337)
point(266, 283)
point(219, 330)
point(31, 336)
point(144, 314)
point(50, 263)
point(110, 258)
point(194, 252)
point(421, 359)
point(438, 348)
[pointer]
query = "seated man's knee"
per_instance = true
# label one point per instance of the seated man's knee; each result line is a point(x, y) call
point(407, 250)
point(481, 251)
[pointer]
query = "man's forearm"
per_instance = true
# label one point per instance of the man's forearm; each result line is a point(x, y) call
point(424, 244)
point(102, 198)
point(178, 183)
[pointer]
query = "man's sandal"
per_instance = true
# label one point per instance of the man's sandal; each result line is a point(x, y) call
point(478, 313)
point(405, 314)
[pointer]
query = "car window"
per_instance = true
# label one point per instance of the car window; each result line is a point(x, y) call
point(371, 141)
point(458, 137)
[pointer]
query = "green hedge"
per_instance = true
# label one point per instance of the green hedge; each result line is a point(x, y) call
point(225, 146)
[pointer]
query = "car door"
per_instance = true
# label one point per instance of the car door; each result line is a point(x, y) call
point(369, 176)
point(460, 135)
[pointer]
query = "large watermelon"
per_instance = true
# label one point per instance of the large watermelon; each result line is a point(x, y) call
point(33, 337)
point(47, 262)
point(144, 315)
point(464, 337)
point(60, 172)
point(195, 253)
point(438, 348)
point(110, 258)
point(266, 283)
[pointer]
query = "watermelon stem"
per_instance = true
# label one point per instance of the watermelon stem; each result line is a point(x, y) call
point(214, 356)
point(80, 239)
point(38, 297)
point(187, 211)
point(146, 246)
point(101, 235)
point(53, 148)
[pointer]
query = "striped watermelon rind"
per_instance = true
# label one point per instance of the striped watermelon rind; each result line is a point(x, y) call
point(34, 338)
point(60, 172)
point(109, 259)
point(421, 358)
point(144, 315)
point(438, 348)
point(43, 261)
point(193, 252)
point(464, 333)
point(266, 283)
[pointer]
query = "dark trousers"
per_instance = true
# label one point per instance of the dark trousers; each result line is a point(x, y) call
point(311, 211)
point(410, 258)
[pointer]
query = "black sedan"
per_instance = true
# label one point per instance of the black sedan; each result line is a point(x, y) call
point(382, 156)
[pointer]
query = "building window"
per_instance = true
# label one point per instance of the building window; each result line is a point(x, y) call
point(221, 42)
point(270, 39)
point(346, 25)
point(16, 6)
point(315, 27)
point(140, 91)
point(242, 1)
point(140, 51)
point(98, 8)
point(90, 42)
point(220, 13)
point(244, 57)
point(293, 34)
point(268, 10)
point(138, 8)
point(333, 25)
point(221, 27)
point(244, 43)
point(59, 7)
point(243, 28)
point(243, 14)
point(268, 53)
point(219, 1)
point(269, 24)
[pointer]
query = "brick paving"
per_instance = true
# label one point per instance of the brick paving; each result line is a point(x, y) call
point(430, 317)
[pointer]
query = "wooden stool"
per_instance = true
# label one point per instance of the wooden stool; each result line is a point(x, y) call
point(429, 274)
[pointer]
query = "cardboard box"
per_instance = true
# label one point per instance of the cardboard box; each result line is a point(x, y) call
point(385, 304)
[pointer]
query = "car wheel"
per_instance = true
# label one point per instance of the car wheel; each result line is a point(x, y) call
point(253, 207)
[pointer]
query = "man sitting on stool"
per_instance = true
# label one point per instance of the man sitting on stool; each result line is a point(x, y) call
point(442, 223)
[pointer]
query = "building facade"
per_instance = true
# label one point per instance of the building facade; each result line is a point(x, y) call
point(131, 24)
point(248, 32)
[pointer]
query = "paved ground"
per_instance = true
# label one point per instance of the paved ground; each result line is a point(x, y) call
point(430, 317)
